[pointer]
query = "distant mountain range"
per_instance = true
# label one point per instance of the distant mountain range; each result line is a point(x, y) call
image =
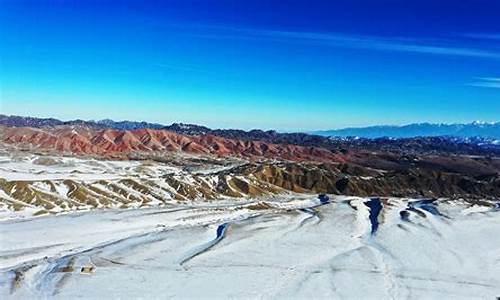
point(19, 121)
point(474, 129)
point(474, 138)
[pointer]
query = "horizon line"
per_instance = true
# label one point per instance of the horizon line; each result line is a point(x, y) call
point(479, 122)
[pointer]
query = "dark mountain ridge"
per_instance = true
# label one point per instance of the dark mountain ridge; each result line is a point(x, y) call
point(428, 144)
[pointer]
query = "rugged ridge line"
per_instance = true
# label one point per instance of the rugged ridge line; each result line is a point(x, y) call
point(245, 181)
point(428, 143)
point(114, 143)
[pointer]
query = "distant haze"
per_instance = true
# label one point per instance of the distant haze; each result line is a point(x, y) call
point(480, 129)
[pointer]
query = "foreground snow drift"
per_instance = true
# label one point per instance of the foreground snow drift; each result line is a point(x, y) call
point(296, 248)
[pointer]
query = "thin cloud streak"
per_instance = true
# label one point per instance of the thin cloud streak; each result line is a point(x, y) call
point(487, 82)
point(378, 43)
point(396, 44)
point(483, 36)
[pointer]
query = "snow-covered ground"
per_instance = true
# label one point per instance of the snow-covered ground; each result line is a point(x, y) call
point(32, 184)
point(289, 248)
point(35, 167)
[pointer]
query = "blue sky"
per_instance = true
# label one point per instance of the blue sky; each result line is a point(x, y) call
point(286, 65)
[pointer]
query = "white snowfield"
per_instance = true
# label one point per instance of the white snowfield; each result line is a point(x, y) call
point(296, 247)
point(34, 167)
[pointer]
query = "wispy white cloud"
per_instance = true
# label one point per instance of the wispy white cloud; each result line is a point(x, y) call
point(380, 43)
point(396, 44)
point(487, 82)
point(483, 36)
